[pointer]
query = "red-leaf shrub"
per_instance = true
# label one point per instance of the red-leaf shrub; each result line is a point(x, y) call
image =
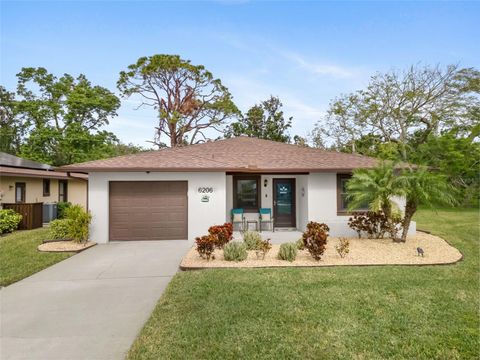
point(206, 245)
point(375, 225)
point(315, 238)
point(224, 234)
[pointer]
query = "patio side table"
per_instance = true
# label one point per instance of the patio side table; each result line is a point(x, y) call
point(252, 222)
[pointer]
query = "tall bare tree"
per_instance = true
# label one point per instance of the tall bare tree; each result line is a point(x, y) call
point(188, 99)
point(404, 108)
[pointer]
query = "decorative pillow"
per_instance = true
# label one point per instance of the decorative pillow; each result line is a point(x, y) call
point(237, 218)
point(266, 217)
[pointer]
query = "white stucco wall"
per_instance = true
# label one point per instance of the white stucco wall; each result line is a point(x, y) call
point(322, 204)
point(201, 215)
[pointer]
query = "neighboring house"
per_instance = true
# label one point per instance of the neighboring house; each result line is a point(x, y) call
point(177, 193)
point(26, 181)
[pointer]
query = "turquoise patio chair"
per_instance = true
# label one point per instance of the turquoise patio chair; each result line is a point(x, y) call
point(238, 217)
point(266, 218)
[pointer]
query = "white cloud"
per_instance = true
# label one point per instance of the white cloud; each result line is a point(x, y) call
point(319, 68)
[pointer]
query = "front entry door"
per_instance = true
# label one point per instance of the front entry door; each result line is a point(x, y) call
point(284, 202)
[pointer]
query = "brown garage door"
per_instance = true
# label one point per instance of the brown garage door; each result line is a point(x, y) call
point(148, 210)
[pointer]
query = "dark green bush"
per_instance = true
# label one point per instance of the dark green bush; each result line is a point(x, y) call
point(9, 221)
point(62, 206)
point(235, 251)
point(288, 251)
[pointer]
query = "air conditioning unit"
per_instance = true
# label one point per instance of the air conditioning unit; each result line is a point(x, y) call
point(49, 212)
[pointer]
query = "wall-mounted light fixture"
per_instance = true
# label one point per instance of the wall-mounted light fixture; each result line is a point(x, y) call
point(265, 182)
point(10, 187)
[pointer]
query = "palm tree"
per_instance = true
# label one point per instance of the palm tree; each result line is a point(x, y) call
point(423, 187)
point(375, 187)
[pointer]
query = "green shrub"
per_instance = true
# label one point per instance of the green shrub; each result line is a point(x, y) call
point(78, 224)
point(300, 244)
point(288, 251)
point(59, 229)
point(252, 240)
point(73, 226)
point(9, 220)
point(62, 206)
point(235, 251)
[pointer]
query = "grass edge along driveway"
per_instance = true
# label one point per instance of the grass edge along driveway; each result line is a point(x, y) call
point(19, 257)
point(391, 312)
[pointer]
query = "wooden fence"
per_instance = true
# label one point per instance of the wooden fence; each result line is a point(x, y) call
point(32, 214)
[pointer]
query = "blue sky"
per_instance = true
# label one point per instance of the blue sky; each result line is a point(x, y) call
point(304, 52)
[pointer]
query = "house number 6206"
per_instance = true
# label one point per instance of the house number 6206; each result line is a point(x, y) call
point(205, 190)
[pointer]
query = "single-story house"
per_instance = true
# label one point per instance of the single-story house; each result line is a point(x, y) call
point(177, 193)
point(27, 181)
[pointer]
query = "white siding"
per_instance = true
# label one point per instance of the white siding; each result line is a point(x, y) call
point(322, 204)
point(201, 215)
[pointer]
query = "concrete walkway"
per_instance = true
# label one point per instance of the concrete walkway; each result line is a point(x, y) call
point(90, 306)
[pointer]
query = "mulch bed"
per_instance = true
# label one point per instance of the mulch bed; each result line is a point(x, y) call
point(64, 246)
point(362, 252)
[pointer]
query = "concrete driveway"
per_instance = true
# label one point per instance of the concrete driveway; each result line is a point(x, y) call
point(90, 306)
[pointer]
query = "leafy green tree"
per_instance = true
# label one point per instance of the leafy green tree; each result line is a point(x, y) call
point(64, 117)
point(263, 121)
point(12, 126)
point(189, 100)
point(458, 158)
point(423, 187)
point(376, 187)
point(405, 108)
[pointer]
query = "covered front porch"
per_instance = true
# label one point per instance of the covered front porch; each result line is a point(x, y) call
point(284, 196)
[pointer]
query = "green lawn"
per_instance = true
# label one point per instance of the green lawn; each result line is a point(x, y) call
point(395, 312)
point(19, 257)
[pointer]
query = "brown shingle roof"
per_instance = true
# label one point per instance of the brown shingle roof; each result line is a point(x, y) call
point(240, 154)
point(47, 174)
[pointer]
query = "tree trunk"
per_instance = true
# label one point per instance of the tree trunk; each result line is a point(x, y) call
point(410, 209)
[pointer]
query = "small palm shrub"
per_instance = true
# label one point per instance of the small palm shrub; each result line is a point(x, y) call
point(252, 240)
point(206, 246)
point(235, 251)
point(59, 229)
point(9, 221)
point(224, 234)
point(288, 251)
point(343, 248)
point(315, 239)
